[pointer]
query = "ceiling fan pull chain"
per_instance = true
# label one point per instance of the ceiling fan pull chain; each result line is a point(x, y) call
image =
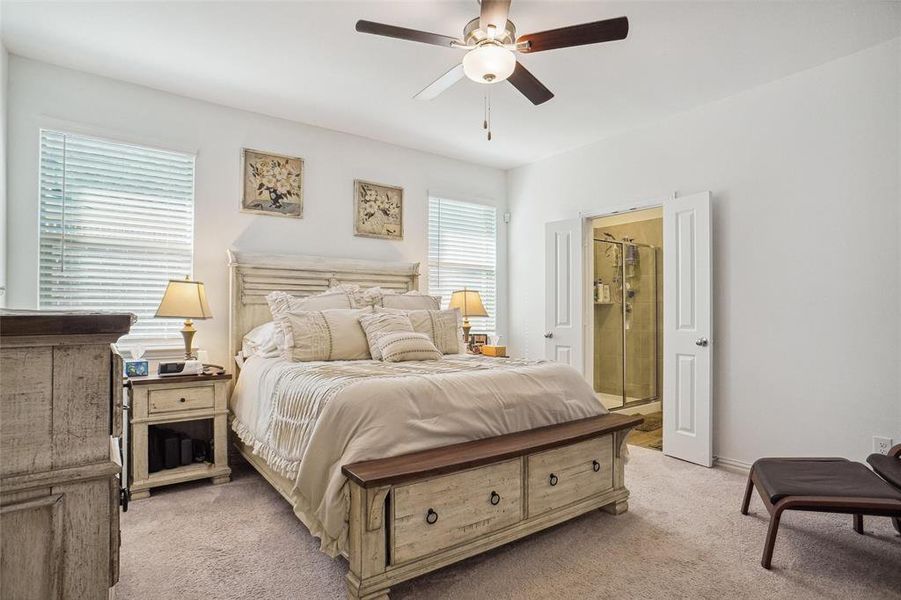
point(485, 111)
point(488, 97)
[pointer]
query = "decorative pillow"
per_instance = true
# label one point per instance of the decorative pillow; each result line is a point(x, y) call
point(411, 301)
point(282, 302)
point(405, 345)
point(331, 334)
point(360, 297)
point(266, 341)
point(444, 327)
point(377, 325)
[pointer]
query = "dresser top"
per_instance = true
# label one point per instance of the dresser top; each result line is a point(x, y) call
point(15, 323)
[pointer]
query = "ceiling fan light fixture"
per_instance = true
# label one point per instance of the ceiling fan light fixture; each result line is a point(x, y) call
point(489, 63)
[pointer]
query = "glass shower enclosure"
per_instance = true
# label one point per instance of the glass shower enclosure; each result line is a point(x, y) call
point(627, 305)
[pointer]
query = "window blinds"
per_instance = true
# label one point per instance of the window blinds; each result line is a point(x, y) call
point(463, 254)
point(116, 223)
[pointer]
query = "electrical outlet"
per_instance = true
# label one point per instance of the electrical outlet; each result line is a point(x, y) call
point(881, 444)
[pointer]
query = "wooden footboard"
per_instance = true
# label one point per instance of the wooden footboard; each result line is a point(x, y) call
point(418, 512)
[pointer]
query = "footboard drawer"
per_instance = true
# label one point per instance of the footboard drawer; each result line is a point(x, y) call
point(565, 475)
point(440, 513)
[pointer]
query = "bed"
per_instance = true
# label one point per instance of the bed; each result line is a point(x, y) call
point(407, 467)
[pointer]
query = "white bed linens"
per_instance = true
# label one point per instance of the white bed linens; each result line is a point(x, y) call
point(307, 419)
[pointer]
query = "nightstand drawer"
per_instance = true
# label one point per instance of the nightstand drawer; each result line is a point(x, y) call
point(184, 398)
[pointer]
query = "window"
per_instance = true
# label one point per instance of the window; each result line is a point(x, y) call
point(116, 223)
point(463, 254)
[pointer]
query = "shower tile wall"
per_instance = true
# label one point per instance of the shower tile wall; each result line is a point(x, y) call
point(644, 341)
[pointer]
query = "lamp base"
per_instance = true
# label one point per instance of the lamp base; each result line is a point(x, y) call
point(187, 332)
point(466, 328)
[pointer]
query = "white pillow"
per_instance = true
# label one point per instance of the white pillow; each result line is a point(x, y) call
point(377, 325)
point(411, 301)
point(405, 345)
point(360, 297)
point(331, 334)
point(444, 327)
point(282, 302)
point(266, 341)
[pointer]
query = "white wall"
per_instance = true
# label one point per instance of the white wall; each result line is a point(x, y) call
point(4, 69)
point(41, 95)
point(805, 177)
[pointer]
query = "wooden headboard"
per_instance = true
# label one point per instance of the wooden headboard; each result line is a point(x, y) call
point(253, 275)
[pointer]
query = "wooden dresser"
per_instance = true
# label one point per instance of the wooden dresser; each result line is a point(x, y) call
point(60, 406)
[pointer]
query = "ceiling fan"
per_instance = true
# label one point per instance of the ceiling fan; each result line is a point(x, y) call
point(491, 43)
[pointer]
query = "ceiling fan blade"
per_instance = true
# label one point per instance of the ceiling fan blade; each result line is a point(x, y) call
point(575, 35)
point(494, 12)
point(529, 86)
point(402, 33)
point(435, 88)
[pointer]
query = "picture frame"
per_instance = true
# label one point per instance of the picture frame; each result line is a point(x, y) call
point(476, 341)
point(272, 184)
point(378, 210)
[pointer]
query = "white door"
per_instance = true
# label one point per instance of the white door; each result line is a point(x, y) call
point(687, 335)
point(563, 292)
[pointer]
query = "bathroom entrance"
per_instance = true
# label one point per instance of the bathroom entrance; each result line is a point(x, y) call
point(627, 313)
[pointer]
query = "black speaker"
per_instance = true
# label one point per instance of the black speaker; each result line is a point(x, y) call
point(154, 453)
point(186, 446)
point(171, 450)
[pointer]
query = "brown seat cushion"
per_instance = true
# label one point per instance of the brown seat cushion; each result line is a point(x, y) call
point(781, 477)
point(887, 466)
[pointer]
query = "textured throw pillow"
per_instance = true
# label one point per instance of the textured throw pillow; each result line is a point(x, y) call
point(403, 346)
point(444, 327)
point(282, 302)
point(332, 334)
point(377, 325)
point(411, 301)
point(360, 297)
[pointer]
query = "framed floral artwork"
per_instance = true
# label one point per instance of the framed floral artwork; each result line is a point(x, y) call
point(378, 210)
point(273, 184)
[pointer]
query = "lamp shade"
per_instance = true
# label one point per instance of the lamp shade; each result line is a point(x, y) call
point(469, 302)
point(184, 299)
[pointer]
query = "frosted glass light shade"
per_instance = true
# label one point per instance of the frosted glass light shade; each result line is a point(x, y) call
point(184, 299)
point(489, 63)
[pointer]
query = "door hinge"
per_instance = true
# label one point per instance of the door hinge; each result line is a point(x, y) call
point(507, 217)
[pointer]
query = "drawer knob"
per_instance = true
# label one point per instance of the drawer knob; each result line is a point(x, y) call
point(182, 400)
point(596, 466)
point(553, 480)
point(495, 498)
point(431, 517)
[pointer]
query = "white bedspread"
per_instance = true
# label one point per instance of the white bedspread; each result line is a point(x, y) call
point(306, 420)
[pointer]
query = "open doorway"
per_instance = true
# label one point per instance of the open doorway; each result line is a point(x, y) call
point(681, 309)
point(627, 318)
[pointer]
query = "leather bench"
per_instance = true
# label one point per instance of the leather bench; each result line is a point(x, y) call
point(834, 485)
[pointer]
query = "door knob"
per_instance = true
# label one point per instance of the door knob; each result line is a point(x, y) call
point(549, 334)
point(701, 342)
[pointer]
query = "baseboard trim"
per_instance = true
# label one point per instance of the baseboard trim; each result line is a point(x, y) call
point(731, 465)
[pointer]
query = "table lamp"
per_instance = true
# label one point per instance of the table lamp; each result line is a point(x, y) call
point(470, 304)
point(185, 299)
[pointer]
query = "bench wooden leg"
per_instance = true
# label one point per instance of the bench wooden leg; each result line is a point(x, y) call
point(747, 500)
point(770, 539)
point(858, 524)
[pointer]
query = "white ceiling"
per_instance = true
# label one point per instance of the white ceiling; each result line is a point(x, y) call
point(303, 61)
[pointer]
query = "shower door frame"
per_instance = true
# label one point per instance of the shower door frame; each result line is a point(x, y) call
point(587, 216)
point(625, 401)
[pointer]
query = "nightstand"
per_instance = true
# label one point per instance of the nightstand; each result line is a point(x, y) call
point(194, 405)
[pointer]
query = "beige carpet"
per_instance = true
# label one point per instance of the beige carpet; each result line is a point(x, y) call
point(683, 537)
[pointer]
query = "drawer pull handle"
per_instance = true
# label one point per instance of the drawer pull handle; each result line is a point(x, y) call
point(182, 400)
point(596, 466)
point(431, 517)
point(495, 498)
point(553, 480)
